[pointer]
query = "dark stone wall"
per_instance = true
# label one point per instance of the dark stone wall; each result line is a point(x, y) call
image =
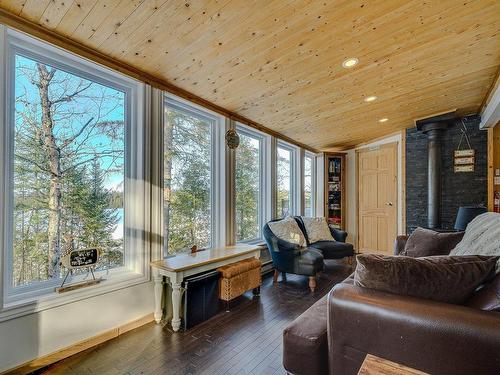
point(458, 189)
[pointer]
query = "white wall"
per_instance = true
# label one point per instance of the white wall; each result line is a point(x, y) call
point(352, 191)
point(320, 185)
point(31, 336)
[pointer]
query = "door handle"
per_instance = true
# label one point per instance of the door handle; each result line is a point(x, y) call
point(389, 204)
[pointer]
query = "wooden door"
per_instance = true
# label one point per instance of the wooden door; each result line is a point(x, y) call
point(377, 199)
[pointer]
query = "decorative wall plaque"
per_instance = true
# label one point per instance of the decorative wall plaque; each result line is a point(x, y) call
point(464, 153)
point(84, 259)
point(464, 168)
point(464, 159)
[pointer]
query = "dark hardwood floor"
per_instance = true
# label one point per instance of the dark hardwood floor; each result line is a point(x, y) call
point(246, 340)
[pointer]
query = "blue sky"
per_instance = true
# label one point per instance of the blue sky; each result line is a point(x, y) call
point(85, 107)
point(96, 104)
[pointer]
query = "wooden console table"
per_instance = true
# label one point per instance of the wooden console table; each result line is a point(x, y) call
point(373, 365)
point(183, 265)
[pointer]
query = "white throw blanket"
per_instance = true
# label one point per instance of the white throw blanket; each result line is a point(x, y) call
point(482, 237)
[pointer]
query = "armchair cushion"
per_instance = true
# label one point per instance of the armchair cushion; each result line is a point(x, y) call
point(333, 249)
point(439, 278)
point(308, 263)
point(317, 229)
point(288, 230)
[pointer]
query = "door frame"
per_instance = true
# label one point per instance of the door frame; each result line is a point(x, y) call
point(395, 146)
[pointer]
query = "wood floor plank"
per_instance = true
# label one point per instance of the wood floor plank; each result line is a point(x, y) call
point(247, 340)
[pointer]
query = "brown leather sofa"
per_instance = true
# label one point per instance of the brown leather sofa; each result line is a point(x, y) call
point(433, 337)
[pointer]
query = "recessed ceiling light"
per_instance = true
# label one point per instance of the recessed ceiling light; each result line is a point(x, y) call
point(383, 119)
point(370, 98)
point(350, 62)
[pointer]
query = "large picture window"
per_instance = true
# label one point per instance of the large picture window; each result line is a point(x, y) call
point(249, 185)
point(69, 145)
point(187, 178)
point(67, 164)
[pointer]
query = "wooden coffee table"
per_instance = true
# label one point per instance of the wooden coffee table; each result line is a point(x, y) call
point(373, 365)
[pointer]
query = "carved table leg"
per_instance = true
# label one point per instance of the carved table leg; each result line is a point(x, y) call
point(158, 289)
point(176, 304)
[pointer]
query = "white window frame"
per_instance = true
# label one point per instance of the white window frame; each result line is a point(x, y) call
point(217, 175)
point(312, 156)
point(264, 191)
point(295, 183)
point(31, 298)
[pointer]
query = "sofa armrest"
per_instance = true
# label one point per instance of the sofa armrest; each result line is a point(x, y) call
point(338, 235)
point(399, 244)
point(433, 337)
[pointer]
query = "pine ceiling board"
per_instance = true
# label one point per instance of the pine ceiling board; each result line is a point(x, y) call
point(288, 39)
point(188, 46)
point(423, 84)
point(279, 62)
point(13, 6)
point(112, 21)
point(398, 115)
point(188, 21)
point(413, 106)
point(414, 66)
point(225, 39)
point(33, 9)
point(349, 135)
point(78, 11)
point(123, 29)
point(146, 31)
point(296, 77)
point(95, 17)
point(54, 13)
point(301, 82)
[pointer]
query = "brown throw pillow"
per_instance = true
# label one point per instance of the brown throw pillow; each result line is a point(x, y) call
point(450, 279)
point(425, 242)
point(488, 297)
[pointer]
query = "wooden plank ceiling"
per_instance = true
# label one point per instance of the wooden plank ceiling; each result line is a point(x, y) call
point(279, 63)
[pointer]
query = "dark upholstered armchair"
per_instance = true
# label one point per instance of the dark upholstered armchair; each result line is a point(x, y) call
point(291, 258)
point(337, 249)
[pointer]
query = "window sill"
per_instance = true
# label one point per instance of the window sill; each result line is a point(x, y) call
point(20, 308)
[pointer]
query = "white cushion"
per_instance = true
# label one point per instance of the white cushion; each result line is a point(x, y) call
point(317, 229)
point(288, 230)
point(481, 237)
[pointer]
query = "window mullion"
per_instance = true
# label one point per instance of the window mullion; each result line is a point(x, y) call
point(227, 218)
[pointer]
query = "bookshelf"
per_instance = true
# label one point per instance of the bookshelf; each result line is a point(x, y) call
point(335, 168)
